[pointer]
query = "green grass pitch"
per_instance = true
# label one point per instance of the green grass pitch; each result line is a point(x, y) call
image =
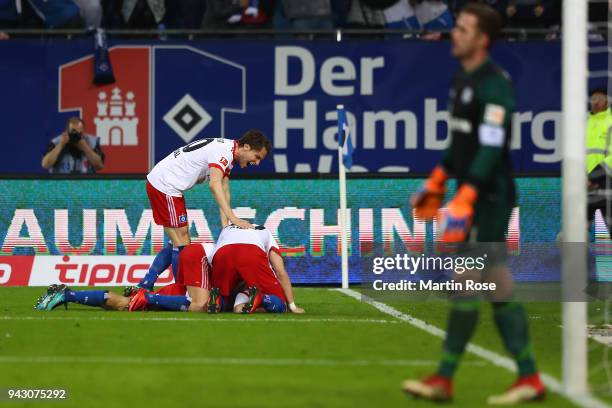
point(342, 353)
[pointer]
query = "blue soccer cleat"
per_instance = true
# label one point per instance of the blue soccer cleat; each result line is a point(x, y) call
point(55, 296)
point(43, 300)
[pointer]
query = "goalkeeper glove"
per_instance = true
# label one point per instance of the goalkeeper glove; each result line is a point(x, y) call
point(456, 223)
point(428, 199)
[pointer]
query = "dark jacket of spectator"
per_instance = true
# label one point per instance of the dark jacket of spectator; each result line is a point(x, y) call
point(499, 5)
point(143, 13)
point(361, 14)
point(58, 13)
point(8, 13)
point(532, 13)
point(303, 15)
point(185, 14)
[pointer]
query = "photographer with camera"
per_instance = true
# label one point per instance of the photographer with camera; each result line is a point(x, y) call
point(74, 151)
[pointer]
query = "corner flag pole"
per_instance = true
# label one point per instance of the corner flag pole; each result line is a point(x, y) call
point(574, 200)
point(342, 141)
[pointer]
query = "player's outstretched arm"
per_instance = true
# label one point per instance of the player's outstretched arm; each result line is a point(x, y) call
point(279, 267)
point(216, 188)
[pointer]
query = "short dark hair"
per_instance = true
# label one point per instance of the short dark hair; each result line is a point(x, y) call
point(256, 139)
point(74, 119)
point(602, 91)
point(489, 21)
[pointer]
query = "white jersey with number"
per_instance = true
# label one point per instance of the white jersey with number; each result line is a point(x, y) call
point(258, 236)
point(191, 164)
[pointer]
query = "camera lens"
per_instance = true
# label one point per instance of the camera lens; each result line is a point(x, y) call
point(74, 136)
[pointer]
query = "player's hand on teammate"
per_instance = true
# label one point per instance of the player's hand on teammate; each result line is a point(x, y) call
point(456, 223)
point(242, 223)
point(428, 199)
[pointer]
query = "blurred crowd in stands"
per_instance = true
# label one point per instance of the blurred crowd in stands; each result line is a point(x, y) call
point(433, 16)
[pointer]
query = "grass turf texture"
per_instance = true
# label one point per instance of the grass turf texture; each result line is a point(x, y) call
point(342, 353)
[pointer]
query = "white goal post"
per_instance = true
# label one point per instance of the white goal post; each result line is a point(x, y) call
point(574, 196)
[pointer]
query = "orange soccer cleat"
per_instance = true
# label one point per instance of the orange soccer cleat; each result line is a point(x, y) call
point(529, 388)
point(139, 301)
point(254, 301)
point(434, 388)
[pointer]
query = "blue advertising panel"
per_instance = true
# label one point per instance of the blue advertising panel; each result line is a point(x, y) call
point(170, 93)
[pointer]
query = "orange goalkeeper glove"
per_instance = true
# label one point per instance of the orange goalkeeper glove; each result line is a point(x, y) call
point(456, 224)
point(428, 200)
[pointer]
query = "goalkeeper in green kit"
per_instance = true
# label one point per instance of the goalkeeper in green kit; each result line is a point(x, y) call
point(481, 103)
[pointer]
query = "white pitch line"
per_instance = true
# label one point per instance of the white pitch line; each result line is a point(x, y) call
point(204, 319)
point(217, 361)
point(587, 401)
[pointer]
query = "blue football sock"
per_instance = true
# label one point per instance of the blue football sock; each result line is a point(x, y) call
point(175, 260)
point(87, 297)
point(167, 302)
point(161, 262)
point(273, 304)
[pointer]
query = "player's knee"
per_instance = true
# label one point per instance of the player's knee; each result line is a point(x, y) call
point(197, 307)
point(197, 295)
point(274, 304)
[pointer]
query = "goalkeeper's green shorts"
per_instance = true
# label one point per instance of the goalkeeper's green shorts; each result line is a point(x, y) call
point(488, 233)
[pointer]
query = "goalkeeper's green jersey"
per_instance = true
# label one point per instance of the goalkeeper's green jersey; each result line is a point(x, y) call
point(481, 104)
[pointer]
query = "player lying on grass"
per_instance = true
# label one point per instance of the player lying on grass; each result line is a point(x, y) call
point(189, 293)
point(205, 160)
point(253, 257)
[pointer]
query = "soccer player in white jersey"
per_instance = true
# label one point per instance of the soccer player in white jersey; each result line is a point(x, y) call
point(253, 257)
point(204, 160)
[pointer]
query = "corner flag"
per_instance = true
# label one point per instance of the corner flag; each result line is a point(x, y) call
point(344, 137)
point(345, 161)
